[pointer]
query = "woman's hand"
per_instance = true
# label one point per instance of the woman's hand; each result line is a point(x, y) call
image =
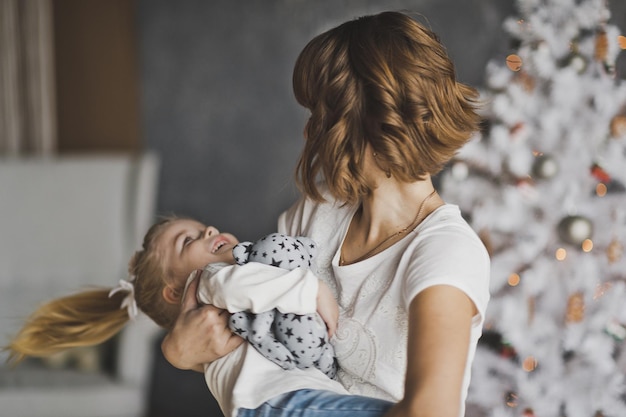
point(327, 308)
point(200, 334)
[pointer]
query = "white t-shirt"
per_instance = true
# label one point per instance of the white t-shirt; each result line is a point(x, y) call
point(244, 378)
point(374, 294)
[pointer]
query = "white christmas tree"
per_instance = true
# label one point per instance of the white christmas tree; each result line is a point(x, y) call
point(543, 184)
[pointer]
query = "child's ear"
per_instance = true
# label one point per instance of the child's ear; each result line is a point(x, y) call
point(171, 295)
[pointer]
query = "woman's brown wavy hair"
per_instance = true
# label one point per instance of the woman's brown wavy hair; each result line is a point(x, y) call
point(383, 80)
point(91, 317)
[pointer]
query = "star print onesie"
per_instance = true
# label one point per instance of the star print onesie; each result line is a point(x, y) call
point(287, 339)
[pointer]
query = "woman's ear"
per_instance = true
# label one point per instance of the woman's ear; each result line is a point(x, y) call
point(171, 295)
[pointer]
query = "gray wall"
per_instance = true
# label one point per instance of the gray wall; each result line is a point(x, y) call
point(217, 100)
point(217, 105)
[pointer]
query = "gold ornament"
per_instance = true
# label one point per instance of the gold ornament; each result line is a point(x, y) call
point(531, 310)
point(618, 126)
point(614, 251)
point(526, 80)
point(575, 308)
point(514, 62)
point(602, 46)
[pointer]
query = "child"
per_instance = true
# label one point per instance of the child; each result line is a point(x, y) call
point(243, 382)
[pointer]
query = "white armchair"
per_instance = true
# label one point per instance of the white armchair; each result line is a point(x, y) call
point(67, 223)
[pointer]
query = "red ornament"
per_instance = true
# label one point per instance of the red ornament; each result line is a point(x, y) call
point(507, 351)
point(528, 412)
point(600, 174)
point(517, 126)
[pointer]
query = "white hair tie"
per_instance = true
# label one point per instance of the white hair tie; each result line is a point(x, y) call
point(128, 302)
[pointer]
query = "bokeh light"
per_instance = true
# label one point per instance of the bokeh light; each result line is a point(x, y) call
point(529, 364)
point(514, 279)
point(514, 62)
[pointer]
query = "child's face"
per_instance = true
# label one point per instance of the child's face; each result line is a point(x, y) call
point(187, 245)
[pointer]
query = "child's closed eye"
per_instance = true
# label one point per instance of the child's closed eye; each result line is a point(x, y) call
point(189, 239)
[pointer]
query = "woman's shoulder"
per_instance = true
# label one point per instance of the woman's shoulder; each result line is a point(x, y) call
point(448, 220)
point(446, 234)
point(448, 251)
point(307, 214)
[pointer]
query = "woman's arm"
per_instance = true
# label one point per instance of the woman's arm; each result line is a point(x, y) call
point(440, 320)
point(200, 334)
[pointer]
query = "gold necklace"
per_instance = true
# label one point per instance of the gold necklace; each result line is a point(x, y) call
point(411, 226)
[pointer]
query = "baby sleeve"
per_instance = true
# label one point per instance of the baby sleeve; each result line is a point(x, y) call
point(257, 287)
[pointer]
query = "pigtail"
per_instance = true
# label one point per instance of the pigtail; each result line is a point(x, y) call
point(83, 319)
point(92, 317)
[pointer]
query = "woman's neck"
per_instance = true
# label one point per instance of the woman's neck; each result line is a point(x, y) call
point(394, 205)
point(385, 216)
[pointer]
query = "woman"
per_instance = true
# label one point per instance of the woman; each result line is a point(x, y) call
point(410, 275)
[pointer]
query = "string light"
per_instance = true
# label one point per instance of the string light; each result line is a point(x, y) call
point(529, 364)
point(601, 289)
point(587, 245)
point(621, 40)
point(601, 189)
point(514, 279)
point(561, 254)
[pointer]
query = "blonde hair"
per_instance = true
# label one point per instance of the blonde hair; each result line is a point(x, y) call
point(92, 317)
point(384, 81)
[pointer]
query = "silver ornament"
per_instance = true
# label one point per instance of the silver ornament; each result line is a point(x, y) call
point(460, 171)
point(575, 229)
point(545, 167)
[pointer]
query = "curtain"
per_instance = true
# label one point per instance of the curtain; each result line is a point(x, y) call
point(27, 102)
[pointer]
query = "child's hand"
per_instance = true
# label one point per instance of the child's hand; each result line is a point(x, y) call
point(327, 308)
